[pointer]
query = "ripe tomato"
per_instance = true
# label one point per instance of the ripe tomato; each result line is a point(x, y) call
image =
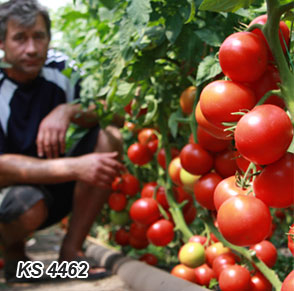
point(174, 169)
point(189, 214)
point(210, 128)
point(260, 283)
point(130, 185)
point(204, 190)
point(195, 159)
point(139, 154)
point(291, 239)
point(203, 275)
point(145, 211)
point(161, 197)
point(226, 189)
point(161, 156)
point(192, 254)
point(225, 163)
point(138, 231)
point(137, 243)
point(222, 261)
point(149, 258)
point(235, 278)
point(117, 201)
point(277, 177)
point(183, 272)
point(161, 232)
point(219, 99)
point(122, 237)
point(244, 220)
point(187, 99)
point(284, 33)
point(288, 284)
point(266, 252)
point(213, 251)
point(209, 142)
point(260, 141)
point(243, 56)
point(268, 81)
point(243, 164)
point(146, 135)
point(148, 190)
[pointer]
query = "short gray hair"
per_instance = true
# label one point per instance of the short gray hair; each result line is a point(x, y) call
point(24, 12)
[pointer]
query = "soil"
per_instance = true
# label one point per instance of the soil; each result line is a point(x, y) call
point(44, 246)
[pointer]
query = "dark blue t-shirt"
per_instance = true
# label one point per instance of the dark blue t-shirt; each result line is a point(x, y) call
point(23, 106)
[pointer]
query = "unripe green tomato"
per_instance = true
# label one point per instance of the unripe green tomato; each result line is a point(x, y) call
point(119, 217)
point(192, 254)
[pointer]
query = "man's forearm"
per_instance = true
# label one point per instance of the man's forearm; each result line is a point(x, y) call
point(18, 169)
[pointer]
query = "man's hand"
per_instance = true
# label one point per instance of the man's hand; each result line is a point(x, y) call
point(99, 169)
point(52, 130)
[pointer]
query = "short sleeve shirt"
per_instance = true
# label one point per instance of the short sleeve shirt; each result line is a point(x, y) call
point(23, 106)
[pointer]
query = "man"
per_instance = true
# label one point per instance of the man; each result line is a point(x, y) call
point(40, 183)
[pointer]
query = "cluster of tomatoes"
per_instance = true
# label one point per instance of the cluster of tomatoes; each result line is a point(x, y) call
point(238, 169)
point(201, 262)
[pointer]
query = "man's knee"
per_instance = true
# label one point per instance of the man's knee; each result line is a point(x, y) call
point(110, 140)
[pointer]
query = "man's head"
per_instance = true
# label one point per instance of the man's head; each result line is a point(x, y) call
point(24, 37)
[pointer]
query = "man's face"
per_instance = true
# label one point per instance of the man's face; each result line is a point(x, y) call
point(25, 49)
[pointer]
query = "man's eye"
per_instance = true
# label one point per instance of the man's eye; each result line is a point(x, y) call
point(19, 37)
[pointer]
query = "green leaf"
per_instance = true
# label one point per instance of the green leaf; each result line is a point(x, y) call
point(224, 5)
point(210, 37)
point(174, 26)
point(139, 11)
point(208, 68)
point(173, 122)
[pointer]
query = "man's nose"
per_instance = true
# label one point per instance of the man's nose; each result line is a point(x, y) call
point(31, 47)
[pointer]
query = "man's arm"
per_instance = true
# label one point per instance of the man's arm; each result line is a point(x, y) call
point(97, 169)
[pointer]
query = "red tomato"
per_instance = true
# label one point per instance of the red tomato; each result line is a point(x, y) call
point(222, 261)
point(288, 284)
point(260, 141)
point(203, 275)
point(204, 190)
point(161, 232)
point(174, 170)
point(243, 57)
point(145, 211)
point(187, 99)
point(244, 220)
point(161, 197)
point(139, 154)
point(130, 185)
point(225, 163)
point(146, 135)
point(138, 244)
point(284, 33)
point(152, 146)
point(268, 81)
point(226, 189)
point(277, 177)
point(211, 143)
point(210, 128)
point(243, 164)
point(138, 231)
point(266, 252)
point(161, 156)
point(260, 283)
point(291, 239)
point(189, 214)
point(213, 251)
point(195, 159)
point(219, 99)
point(148, 190)
point(122, 237)
point(117, 201)
point(183, 272)
point(149, 258)
point(235, 278)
